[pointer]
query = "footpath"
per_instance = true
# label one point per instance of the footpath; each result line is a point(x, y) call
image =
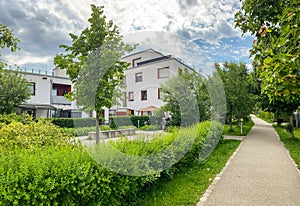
point(261, 173)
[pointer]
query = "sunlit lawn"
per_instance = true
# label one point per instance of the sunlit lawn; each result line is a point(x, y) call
point(247, 126)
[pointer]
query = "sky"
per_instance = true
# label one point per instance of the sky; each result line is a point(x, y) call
point(199, 32)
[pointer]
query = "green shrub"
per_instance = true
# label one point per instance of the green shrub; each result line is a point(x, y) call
point(267, 116)
point(137, 121)
point(67, 175)
point(74, 122)
point(117, 121)
point(31, 135)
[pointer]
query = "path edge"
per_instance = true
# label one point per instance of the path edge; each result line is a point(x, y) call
point(211, 187)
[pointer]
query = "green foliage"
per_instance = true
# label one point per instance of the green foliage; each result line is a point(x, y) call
point(186, 98)
point(9, 118)
point(276, 49)
point(56, 172)
point(93, 64)
point(267, 116)
point(31, 135)
point(14, 91)
point(7, 40)
point(238, 85)
point(74, 122)
point(137, 121)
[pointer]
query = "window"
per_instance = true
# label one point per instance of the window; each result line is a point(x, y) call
point(131, 96)
point(139, 77)
point(31, 86)
point(135, 61)
point(158, 93)
point(144, 95)
point(163, 73)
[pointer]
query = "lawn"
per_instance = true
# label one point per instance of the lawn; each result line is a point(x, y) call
point(189, 185)
point(293, 145)
point(247, 126)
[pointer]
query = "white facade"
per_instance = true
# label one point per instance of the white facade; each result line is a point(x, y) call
point(47, 99)
point(148, 71)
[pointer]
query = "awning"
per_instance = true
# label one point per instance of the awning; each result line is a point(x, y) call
point(64, 107)
point(36, 106)
point(149, 109)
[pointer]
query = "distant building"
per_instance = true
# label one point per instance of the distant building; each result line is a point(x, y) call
point(47, 95)
point(148, 71)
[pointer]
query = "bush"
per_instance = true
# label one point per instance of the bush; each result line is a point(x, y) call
point(137, 121)
point(9, 118)
point(74, 122)
point(67, 175)
point(31, 135)
point(267, 116)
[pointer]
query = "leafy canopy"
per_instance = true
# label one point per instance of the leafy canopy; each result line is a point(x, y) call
point(276, 49)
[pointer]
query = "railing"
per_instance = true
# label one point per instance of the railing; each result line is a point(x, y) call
point(60, 100)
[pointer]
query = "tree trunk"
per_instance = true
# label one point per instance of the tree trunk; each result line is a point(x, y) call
point(97, 127)
point(230, 122)
point(292, 125)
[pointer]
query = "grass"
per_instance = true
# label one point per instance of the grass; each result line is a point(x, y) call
point(247, 126)
point(293, 145)
point(189, 185)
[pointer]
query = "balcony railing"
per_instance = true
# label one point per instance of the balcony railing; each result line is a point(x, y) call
point(60, 100)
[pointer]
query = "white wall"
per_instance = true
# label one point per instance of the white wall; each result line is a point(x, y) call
point(150, 82)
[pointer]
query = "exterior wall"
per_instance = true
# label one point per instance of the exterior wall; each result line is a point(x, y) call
point(43, 103)
point(151, 81)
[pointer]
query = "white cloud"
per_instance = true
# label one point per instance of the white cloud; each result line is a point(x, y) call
point(43, 25)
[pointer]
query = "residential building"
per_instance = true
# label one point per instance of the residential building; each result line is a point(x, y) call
point(47, 95)
point(149, 70)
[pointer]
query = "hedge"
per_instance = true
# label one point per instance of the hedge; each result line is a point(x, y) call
point(65, 174)
point(137, 121)
point(73, 122)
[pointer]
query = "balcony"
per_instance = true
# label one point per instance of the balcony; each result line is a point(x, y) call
point(60, 100)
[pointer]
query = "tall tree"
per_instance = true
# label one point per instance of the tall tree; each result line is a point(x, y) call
point(92, 62)
point(186, 98)
point(276, 49)
point(7, 40)
point(13, 88)
point(236, 83)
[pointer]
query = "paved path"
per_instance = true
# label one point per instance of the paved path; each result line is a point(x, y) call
point(261, 173)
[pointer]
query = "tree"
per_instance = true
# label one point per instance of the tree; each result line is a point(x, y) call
point(7, 40)
point(237, 87)
point(92, 62)
point(13, 88)
point(276, 49)
point(14, 91)
point(186, 98)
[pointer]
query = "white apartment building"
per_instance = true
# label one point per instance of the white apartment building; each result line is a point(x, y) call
point(148, 71)
point(47, 95)
point(141, 93)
